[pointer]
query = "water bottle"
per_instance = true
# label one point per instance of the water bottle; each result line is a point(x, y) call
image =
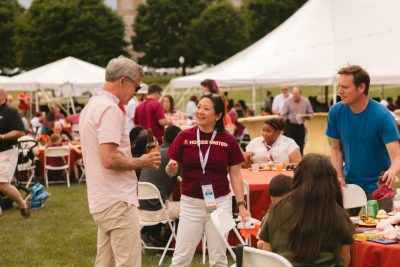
point(396, 201)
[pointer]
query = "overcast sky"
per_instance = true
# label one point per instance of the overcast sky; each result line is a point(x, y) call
point(111, 3)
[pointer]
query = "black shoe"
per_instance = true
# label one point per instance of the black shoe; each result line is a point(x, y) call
point(26, 212)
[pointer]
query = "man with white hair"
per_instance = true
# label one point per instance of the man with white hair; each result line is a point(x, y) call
point(11, 128)
point(280, 99)
point(109, 166)
point(294, 111)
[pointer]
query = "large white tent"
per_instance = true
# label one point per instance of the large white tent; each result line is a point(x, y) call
point(68, 76)
point(309, 47)
point(3, 79)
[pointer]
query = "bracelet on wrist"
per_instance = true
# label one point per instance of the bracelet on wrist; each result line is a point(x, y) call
point(239, 203)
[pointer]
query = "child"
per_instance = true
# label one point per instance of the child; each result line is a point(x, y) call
point(279, 187)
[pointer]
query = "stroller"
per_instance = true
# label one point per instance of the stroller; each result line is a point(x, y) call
point(25, 161)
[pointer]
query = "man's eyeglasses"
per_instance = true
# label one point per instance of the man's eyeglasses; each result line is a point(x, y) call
point(137, 86)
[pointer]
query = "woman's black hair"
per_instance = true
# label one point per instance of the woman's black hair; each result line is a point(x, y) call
point(277, 124)
point(219, 108)
point(134, 133)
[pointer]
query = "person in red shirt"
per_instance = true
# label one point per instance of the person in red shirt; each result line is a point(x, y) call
point(208, 163)
point(150, 113)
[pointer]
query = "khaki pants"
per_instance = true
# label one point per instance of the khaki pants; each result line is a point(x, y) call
point(8, 162)
point(118, 237)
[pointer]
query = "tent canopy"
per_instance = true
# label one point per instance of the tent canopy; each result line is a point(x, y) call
point(310, 47)
point(3, 79)
point(69, 75)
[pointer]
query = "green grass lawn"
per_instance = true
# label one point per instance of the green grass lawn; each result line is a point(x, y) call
point(60, 234)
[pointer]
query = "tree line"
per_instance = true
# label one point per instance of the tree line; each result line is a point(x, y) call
point(202, 31)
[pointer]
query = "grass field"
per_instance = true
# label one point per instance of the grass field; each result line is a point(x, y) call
point(60, 234)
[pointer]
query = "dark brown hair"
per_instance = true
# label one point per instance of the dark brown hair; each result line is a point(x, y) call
point(318, 214)
point(359, 75)
point(280, 185)
point(171, 103)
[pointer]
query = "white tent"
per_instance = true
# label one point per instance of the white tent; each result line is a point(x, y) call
point(69, 76)
point(309, 47)
point(3, 79)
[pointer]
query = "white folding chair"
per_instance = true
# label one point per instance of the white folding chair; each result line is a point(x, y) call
point(353, 196)
point(54, 152)
point(246, 191)
point(148, 191)
point(29, 168)
point(253, 257)
point(224, 223)
point(83, 176)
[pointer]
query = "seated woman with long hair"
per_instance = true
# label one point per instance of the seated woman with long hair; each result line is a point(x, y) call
point(310, 227)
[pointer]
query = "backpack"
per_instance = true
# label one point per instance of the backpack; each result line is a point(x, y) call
point(38, 196)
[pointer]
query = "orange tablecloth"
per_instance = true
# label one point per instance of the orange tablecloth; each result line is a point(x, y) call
point(369, 254)
point(73, 156)
point(260, 199)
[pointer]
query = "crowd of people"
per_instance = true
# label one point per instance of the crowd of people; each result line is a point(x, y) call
point(198, 152)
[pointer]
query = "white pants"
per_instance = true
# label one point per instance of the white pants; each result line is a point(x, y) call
point(8, 162)
point(193, 222)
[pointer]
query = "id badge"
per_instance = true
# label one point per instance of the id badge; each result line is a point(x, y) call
point(209, 198)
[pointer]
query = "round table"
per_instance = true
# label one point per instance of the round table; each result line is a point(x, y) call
point(255, 124)
point(369, 254)
point(317, 141)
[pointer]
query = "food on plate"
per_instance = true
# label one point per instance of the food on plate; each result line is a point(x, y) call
point(381, 214)
point(367, 220)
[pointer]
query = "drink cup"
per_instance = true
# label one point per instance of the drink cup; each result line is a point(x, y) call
point(279, 165)
point(255, 167)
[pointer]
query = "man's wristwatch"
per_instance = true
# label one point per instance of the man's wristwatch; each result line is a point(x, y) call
point(1, 137)
point(239, 203)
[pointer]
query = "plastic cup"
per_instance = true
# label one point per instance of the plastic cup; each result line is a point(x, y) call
point(279, 165)
point(255, 167)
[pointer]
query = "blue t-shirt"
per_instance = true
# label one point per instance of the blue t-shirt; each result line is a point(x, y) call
point(364, 137)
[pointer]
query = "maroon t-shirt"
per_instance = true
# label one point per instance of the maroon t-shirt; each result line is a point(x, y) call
point(224, 152)
point(147, 114)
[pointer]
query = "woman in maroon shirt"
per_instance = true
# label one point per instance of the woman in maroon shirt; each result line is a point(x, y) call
point(204, 166)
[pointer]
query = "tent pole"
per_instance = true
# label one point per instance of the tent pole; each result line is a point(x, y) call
point(254, 96)
point(37, 101)
point(334, 91)
point(326, 94)
point(72, 101)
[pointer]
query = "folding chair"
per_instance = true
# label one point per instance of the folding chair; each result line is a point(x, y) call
point(54, 152)
point(148, 191)
point(246, 191)
point(253, 257)
point(224, 223)
point(29, 168)
point(353, 197)
point(83, 176)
